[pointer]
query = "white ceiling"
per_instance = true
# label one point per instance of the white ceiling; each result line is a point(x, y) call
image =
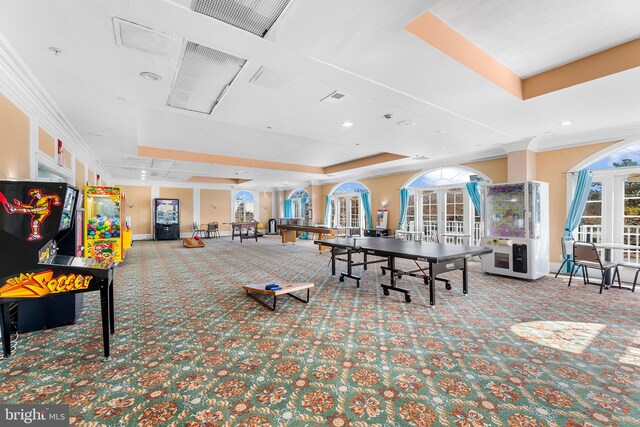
point(529, 37)
point(358, 47)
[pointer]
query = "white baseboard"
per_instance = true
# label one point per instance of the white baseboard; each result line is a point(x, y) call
point(142, 237)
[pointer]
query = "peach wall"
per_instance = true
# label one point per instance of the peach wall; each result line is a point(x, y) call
point(140, 213)
point(91, 177)
point(387, 188)
point(46, 143)
point(186, 205)
point(266, 205)
point(14, 144)
point(80, 169)
point(317, 204)
point(551, 166)
point(516, 166)
point(221, 199)
point(495, 169)
point(66, 157)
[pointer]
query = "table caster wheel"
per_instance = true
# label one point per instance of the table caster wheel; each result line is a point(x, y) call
point(386, 292)
point(399, 276)
point(407, 298)
point(384, 272)
point(341, 278)
point(426, 281)
point(448, 286)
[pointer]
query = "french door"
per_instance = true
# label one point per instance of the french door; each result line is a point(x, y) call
point(445, 211)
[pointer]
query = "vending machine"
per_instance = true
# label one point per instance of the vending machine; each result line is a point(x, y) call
point(105, 232)
point(516, 221)
point(166, 219)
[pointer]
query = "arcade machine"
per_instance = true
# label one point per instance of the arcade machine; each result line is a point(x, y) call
point(42, 277)
point(167, 219)
point(106, 236)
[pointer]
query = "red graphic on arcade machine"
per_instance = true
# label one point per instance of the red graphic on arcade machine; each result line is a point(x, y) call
point(39, 208)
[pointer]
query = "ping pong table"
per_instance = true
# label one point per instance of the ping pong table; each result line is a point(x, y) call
point(440, 257)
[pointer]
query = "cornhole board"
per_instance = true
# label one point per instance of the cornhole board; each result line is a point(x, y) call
point(190, 242)
point(287, 288)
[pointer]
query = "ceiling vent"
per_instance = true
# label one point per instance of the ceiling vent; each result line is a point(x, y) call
point(134, 36)
point(255, 16)
point(205, 75)
point(334, 97)
point(272, 79)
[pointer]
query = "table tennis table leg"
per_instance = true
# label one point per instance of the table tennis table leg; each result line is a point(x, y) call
point(432, 286)
point(393, 275)
point(333, 260)
point(465, 283)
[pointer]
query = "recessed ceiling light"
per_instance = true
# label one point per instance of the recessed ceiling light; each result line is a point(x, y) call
point(478, 145)
point(143, 171)
point(406, 123)
point(55, 51)
point(439, 131)
point(445, 148)
point(142, 177)
point(286, 182)
point(347, 124)
point(566, 123)
point(150, 76)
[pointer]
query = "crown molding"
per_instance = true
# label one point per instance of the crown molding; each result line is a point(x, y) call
point(20, 86)
point(629, 132)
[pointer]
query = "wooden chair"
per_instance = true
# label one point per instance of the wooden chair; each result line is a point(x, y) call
point(585, 256)
point(567, 248)
point(197, 231)
point(630, 265)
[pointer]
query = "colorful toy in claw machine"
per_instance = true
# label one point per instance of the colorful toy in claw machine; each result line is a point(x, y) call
point(105, 235)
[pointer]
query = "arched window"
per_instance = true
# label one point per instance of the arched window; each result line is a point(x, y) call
point(244, 206)
point(300, 203)
point(346, 205)
point(439, 206)
point(616, 217)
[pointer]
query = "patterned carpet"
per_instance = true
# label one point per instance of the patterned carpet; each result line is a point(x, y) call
point(192, 349)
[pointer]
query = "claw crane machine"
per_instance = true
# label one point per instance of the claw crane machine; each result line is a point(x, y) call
point(516, 219)
point(106, 234)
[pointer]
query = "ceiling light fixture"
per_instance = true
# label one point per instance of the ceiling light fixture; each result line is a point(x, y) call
point(566, 123)
point(147, 75)
point(445, 148)
point(55, 51)
point(406, 123)
point(347, 124)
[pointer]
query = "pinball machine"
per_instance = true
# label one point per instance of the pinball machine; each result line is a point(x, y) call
point(42, 275)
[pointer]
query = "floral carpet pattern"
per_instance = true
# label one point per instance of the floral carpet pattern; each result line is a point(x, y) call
point(192, 349)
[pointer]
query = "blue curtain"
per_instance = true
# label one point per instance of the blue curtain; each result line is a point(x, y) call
point(327, 210)
point(583, 186)
point(474, 193)
point(365, 197)
point(404, 203)
point(287, 208)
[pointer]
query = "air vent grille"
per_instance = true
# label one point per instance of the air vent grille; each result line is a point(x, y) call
point(203, 78)
point(334, 97)
point(255, 16)
point(135, 36)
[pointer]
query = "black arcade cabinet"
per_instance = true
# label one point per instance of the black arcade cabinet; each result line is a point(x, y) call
point(40, 279)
